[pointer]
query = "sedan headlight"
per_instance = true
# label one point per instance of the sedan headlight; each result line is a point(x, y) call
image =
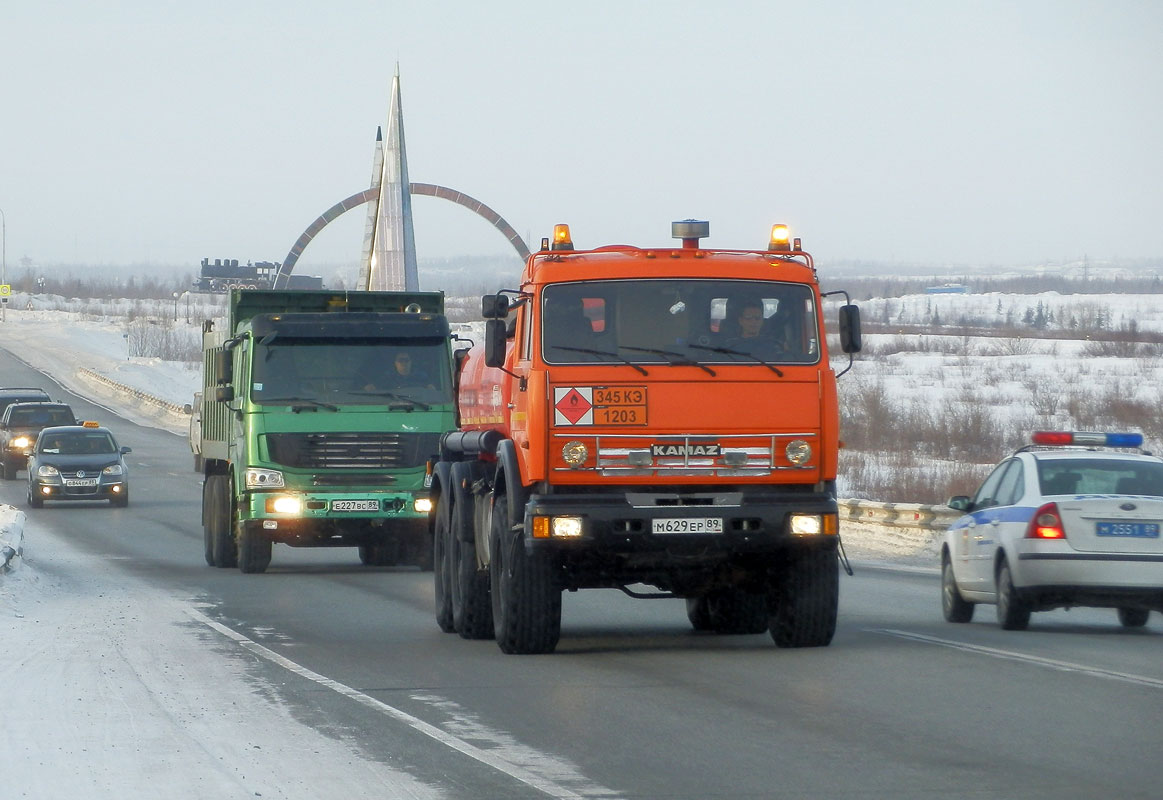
point(113, 469)
point(20, 441)
point(263, 478)
point(48, 471)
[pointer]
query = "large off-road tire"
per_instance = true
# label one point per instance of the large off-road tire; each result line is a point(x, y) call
point(207, 536)
point(735, 611)
point(1134, 617)
point(254, 549)
point(220, 516)
point(954, 607)
point(442, 571)
point(1012, 612)
point(804, 603)
point(526, 599)
point(472, 610)
point(698, 613)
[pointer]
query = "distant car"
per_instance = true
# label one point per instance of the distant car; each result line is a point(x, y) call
point(19, 425)
point(20, 394)
point(1073, 519)
point(77, 462)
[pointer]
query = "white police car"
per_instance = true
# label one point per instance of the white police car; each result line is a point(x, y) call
point(1072, 519)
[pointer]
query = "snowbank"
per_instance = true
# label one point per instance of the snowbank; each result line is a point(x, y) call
point(11, 537)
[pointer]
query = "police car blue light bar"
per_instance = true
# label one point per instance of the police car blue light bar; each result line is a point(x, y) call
point(1093, 438)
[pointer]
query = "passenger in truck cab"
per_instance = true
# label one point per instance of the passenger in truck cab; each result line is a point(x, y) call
point(566, 325)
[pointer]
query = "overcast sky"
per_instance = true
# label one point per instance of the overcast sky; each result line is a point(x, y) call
point(159, 132)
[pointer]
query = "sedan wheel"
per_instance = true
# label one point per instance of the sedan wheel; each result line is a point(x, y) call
point(1012, 613)
point(1133, 617)
point(953, 605)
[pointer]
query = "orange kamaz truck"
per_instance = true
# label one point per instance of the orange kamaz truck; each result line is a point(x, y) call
point(659, 420)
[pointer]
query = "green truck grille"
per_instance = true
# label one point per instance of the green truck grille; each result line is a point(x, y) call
point(366, 451)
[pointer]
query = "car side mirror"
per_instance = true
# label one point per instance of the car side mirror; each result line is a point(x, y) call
point(959, 503)
point(125, 450)
point(224, 394)
point(494, 306)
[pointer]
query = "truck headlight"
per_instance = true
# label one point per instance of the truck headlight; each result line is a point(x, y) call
point(422, 504)
point(20, 441)
point(575, 453)
point(566, 527)
point(284, 504)
point(263, 478)
point(813, 524)
point(798, 452)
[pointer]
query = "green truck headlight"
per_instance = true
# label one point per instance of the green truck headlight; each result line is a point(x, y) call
point(284, 504)
point(263, 478)
point(422, 504)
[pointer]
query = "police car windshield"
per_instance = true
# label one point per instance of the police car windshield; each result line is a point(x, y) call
point(1099, 475)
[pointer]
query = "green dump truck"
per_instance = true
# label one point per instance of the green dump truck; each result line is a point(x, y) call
point(320, 412)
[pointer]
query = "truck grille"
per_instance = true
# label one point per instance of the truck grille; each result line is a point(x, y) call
point(367, 451)
point(739, 455)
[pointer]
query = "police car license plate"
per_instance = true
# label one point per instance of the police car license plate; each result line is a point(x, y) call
point(80, 482)
point(1144, 530)
point(355, 505)
point(688, 525)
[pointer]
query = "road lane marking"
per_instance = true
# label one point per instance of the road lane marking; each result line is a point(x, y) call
point(1010, 655)
point(530, 777)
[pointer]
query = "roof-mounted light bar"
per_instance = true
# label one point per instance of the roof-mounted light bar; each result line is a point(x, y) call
point(561, 237)
point(780, 238)
point(1084, 438)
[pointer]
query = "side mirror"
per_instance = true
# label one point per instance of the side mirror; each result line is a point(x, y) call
point(125, 450)
point(495, 340)
point(224, 394)
point(959, 503)
point(494, 306)
point(850, 340)
point(187, 409)
point(223, 367)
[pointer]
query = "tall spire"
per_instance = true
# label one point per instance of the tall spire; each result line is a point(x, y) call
point(390, 262)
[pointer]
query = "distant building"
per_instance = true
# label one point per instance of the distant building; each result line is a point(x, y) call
point(948, 288)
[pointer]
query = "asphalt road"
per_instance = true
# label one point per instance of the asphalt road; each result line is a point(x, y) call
point(634, 703)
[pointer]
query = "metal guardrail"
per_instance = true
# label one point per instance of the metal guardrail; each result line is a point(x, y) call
point(137, 393)
point(898, 515)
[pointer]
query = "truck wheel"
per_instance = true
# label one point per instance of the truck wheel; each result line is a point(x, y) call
point(442, 572)
point(254, 550)
point(526, 602)
point(737, 611)
point(804, 605)
point(219, 518)
point(472, 610)
point(698, 613)
point(1134, 617)
point(8, 470)
point(367, 554)
point(207, 536)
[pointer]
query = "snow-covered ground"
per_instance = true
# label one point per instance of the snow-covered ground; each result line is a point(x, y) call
point(111, 691)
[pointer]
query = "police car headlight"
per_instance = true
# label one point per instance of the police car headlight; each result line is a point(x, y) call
point(20, 441)
point(575, 453)
point(113, 469)
point(798, 452)
point(263, 478)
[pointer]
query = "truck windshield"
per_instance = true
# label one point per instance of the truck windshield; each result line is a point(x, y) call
point(371, 372)
point(677, 321)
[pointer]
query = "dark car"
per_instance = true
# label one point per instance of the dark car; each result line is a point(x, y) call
point(19, 425)
point(20, 394)
point(77, 462)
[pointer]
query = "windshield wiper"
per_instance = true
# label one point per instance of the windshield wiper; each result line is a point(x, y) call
point(732, 352)
point(411, 401)
point(299, 403)
point(678, 360)
point(621, 358)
